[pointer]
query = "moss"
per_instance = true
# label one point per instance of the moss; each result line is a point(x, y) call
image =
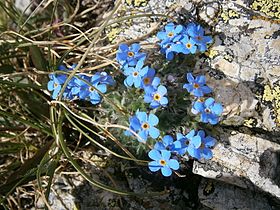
point(269, 7)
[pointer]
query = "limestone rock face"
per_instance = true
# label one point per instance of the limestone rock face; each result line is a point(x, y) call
point(221, 196)
point(246, 161)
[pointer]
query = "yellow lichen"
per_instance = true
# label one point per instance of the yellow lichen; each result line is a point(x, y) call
point(273, 95)
point(137, 3)
point(269, 7)
point(113, 34)
point(249, 122)
point(229, 14)
point(267, 96)
point(212, 53)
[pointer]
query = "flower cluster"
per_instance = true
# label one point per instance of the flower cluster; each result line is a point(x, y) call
point(140, 76)
point(166, 153)
point(182, 39)
point(208, 109)
point(81, 86)
point(195, 144)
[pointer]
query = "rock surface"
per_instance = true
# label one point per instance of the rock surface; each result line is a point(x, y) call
point(244, 160)
point(221, 196)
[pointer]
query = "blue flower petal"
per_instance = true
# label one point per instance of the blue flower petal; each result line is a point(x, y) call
point(135, 47)
point(190, 78)
point(153, 120)
point(154, 166)
point(142, 116)
point(123, 47)
point(195, 153)
point(209, 141)
point(156, 81)
point(166, 171)
point(198, 106)
point(201, 133)
point(207, 153)
point(163, 101)
point(162, 90)
point(128, 81)
point(154, 154)
point(159, 146)
point(217, 108)
point(174, 164)
point(165, 154)
point(167, 140)
point(190, 134)
point(51, 85)
point(153, 132)
point(143, 134)
point(196, 141)
point(209, 102)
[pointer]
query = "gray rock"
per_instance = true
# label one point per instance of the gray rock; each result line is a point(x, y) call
point(243, 160)
point(22, 5)
point(222, 196)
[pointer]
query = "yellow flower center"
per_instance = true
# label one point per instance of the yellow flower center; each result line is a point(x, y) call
point(91, 89)
point(146, 80)
point(55, 85)
point(162, 162)
point(195, 85)
point(135, 74)
point(188, 45)
point(170, 34)
point(157, 97)
point(130, 54)
point(200, 100)
point(145, 126)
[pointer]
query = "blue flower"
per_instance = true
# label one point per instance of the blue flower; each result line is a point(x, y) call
point(161, 161)
point(200, 146)
point(182, 142)
point(209, 110)
point(85, 91)
point(196, 86)
point(171, 32)
point(157, 97)
point(165, 144)
point(64, 68)
point(149, 81)
point(196, 33)
point(129, 55)
point(55, 83)
point(103, 78)
point(144, 124)
point(147, 125)
point(169, 37)
point(135, 74)
point(80, 87)
point(185, 46)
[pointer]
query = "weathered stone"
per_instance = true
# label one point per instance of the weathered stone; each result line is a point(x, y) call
point(218, 195)
point(230, 69)
point(22, 5)
point(239, 160)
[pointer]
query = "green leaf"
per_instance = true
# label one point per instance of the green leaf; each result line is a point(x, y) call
point(7, 69)
point(37, 58)
point(10, 147)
